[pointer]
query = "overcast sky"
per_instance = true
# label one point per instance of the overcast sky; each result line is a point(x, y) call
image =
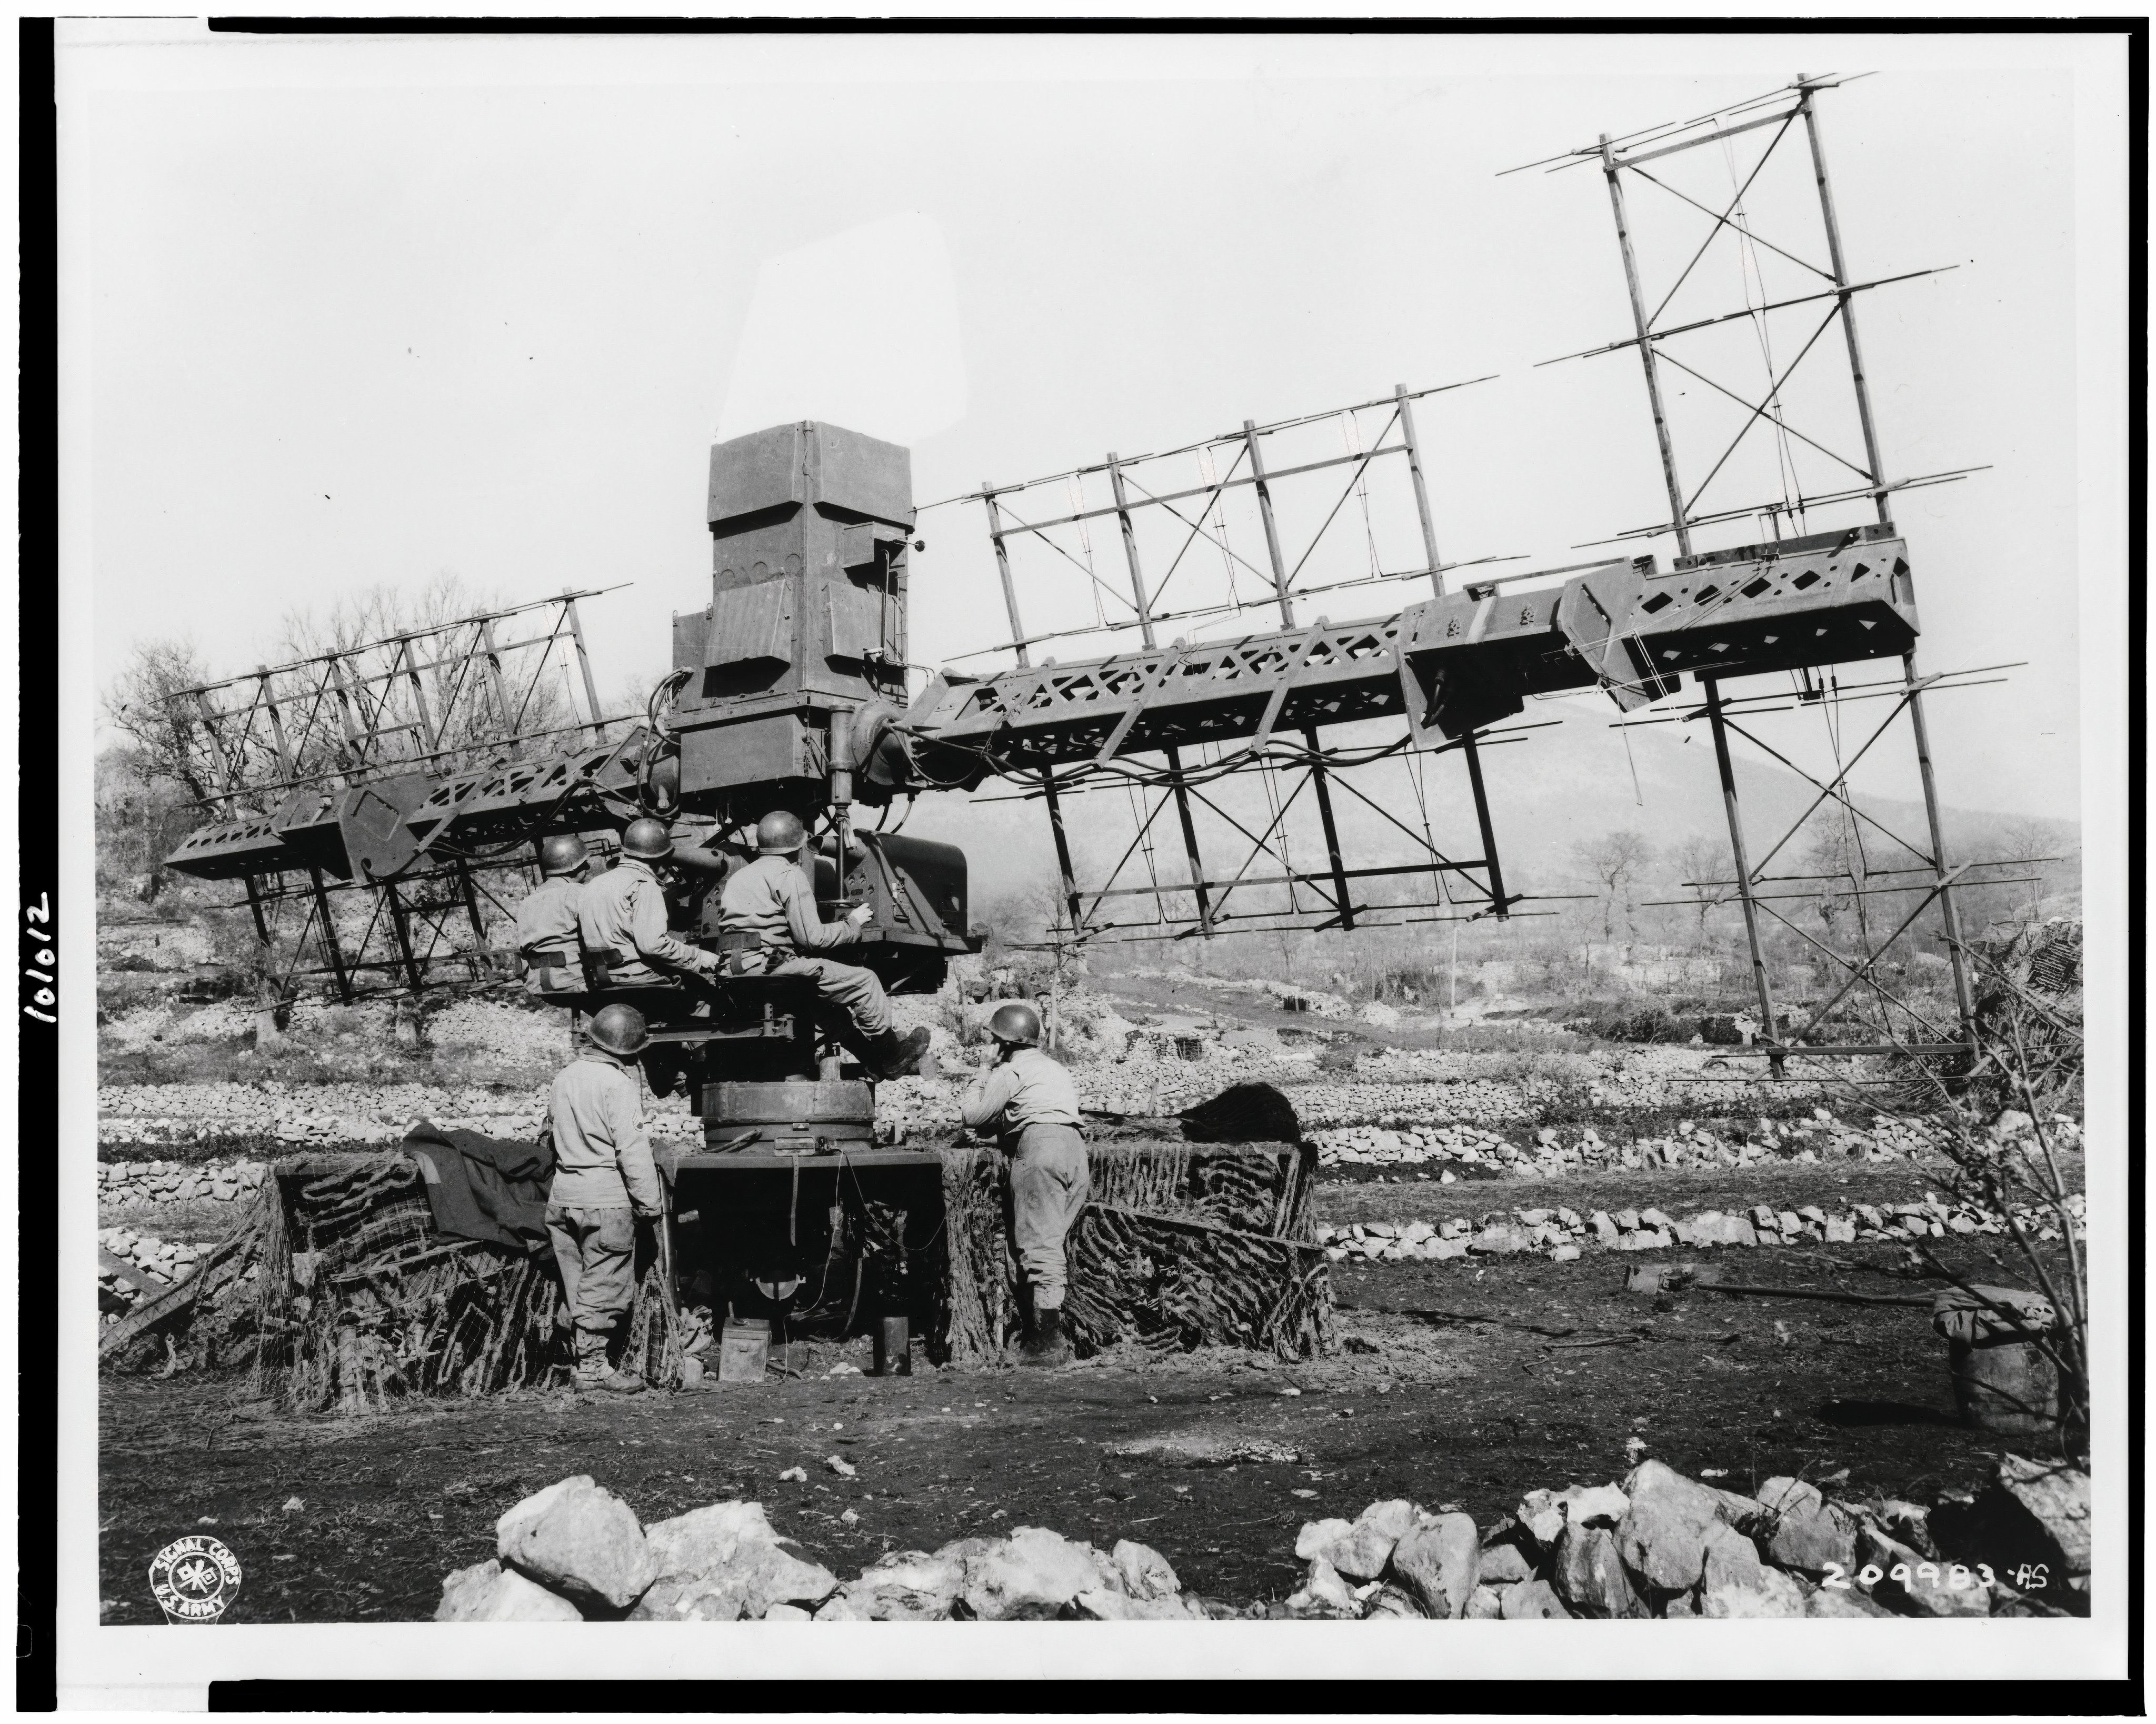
point(343, 314)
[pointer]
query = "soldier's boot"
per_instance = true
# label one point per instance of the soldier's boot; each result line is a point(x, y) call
point(593, 1376)
point(1046, 1344)
point(891, 1055)
point(1015, 1344)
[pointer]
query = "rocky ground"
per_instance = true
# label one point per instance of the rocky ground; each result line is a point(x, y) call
point(1658, 1545)
point(1490, 1349)
point(1465, 1384)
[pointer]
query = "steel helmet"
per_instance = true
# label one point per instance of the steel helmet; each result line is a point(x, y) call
point(1016, 1025)
point(779, 833)
point(646, 840)
point(563, 854)
point(619, 1030)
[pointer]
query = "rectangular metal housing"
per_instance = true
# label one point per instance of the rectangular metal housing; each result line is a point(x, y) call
point(809, 525)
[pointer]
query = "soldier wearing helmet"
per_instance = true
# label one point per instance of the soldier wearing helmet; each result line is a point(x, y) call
point(769, 926)
point(1027, 1100)
point(604, 1181)
point(547, 948)
point(621, 919)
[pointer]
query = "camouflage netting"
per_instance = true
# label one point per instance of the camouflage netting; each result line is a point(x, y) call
point(1181, 1245)
point(354, 1301)
point(2029, 994)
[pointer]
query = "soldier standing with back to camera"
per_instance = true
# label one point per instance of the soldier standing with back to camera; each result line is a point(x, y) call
point(1027, 1102)
point(604, 1183)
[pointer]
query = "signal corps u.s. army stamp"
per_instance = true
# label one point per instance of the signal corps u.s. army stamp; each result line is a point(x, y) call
point(193, 1579)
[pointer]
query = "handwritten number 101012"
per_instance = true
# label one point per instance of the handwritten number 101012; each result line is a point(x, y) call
point(41, 963)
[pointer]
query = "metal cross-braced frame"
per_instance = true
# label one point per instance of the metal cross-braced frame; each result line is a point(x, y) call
point(1790, 112)
point(1255, 883)
point(1163, 702)
point(414, 932)
point(437, 699)
point(462, 702)
point(1907, 874)
point(1152, 495)
point(1824, 305)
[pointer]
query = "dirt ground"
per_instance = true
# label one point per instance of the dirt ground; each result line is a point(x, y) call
point(336, 1520)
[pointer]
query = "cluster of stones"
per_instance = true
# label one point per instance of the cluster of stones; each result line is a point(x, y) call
point(1660, 1545)
point(1383, 1123)
point(130, 1182)
point(1561, 1234)
point(575, 1552)
point(1413, 1086)
point(303, 1114)
point(170, 1261)
point(1551, 1152)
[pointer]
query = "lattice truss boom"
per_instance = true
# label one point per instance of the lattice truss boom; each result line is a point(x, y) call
point(381, 795)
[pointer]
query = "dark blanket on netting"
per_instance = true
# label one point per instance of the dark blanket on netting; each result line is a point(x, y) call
point(341, 1291)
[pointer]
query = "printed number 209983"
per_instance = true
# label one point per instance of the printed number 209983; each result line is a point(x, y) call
point(1958, 1575)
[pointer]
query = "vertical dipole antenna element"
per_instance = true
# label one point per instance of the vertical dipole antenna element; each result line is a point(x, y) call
point(584, 664)
point(287, 762)
point(1677, 517)
point(1743, 870)
point(468, 894)
point(1003, 568)
point(1863, 390)
point(428, 734)
point(1175, 755)
point(255, 904)
point(1324, 792)
point(400, 927)
point(1062, 848)
point(1272, 532)
point(1499, 901)
point(1947, 914)
point(1130, 551)
point(227, 773)
point(1421, 489)
point(509, 720)
point(350, 712)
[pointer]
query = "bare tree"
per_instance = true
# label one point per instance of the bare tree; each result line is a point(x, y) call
point(474, 699)
point(1616, 860)
point(141, 817)
point(2029, 842)
point(1702, 865)
point(2006, 1131)
point(381, 612)
point(163, 734)
point(1835, 864)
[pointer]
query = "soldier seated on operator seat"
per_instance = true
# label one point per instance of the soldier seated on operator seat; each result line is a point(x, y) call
point(768, 922)
point(621, 920)
point(547, 948)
